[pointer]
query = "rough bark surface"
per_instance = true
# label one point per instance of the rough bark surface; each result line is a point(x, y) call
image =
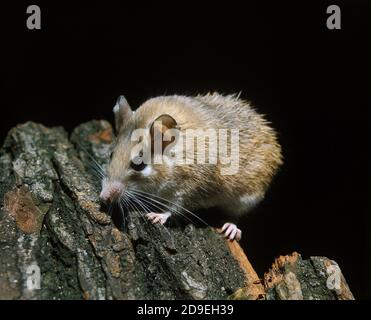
point(51, 220)
point(317, 278)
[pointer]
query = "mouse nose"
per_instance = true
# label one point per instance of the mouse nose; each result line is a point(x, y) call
point(111, 191)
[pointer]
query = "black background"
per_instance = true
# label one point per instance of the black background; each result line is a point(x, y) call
point(311, 82)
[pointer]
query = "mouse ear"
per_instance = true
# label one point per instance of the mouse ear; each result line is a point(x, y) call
point(160, 132)
point(122, 112)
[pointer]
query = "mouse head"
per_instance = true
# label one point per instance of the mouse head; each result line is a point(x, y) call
point(140, 158)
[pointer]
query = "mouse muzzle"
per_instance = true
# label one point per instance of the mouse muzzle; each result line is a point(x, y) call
point(111, 191)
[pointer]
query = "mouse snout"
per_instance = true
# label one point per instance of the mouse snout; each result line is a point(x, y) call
point(111, 191)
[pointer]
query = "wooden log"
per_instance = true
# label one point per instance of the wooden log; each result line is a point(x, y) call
point(317, 278)
point(52, 225)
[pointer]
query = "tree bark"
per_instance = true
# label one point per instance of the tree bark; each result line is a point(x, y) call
point(51, 222)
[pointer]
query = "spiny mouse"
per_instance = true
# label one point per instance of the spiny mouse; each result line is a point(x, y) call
point(159, 130)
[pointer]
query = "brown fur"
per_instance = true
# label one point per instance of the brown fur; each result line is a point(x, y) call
point(202, 186)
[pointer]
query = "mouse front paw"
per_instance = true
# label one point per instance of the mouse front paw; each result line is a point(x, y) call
point(231, 231)
point(158, 217)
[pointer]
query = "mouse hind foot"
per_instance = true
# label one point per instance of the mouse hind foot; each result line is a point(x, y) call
point(231, 231)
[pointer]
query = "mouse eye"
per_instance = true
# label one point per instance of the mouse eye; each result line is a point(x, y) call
point(137, 163)
point(138, 167)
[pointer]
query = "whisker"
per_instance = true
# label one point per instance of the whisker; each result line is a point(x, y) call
point(149, 203)
point(146, 210)
point(92, 158)
point(158, 197)
point(144, 207)
point(93, 163)
point(167, 207)
point(144, 198)
point(134, 208)
point(97, 169)
point(129, 204)
point(98, 173)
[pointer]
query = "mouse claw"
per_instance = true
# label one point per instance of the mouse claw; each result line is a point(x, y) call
point(158, 217)
point(231, 231)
